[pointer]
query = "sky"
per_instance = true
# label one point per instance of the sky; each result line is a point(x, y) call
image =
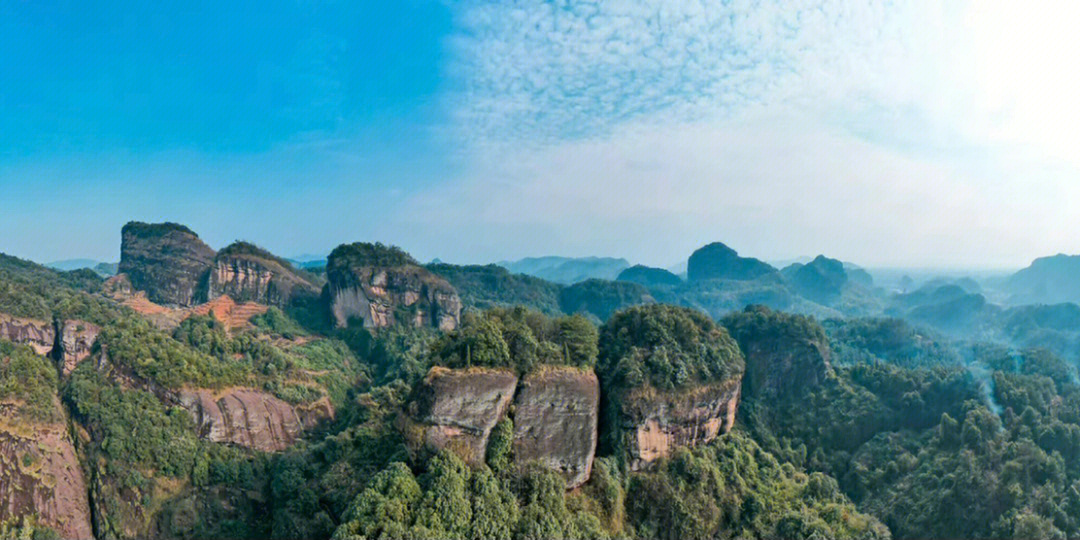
point(908, 133)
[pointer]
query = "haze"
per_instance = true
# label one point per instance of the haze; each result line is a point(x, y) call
point(903, 134)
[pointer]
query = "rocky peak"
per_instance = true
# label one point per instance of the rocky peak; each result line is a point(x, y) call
point(717, 261)
point(166, 260)
point(246, 272)
point(384, 286)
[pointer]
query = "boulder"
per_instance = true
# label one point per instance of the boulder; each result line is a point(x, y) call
point(555, 421)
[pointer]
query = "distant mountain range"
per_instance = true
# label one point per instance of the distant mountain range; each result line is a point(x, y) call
point(104, 269)
point(567, 270)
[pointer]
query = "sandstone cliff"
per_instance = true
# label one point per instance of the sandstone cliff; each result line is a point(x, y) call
point(458, 408)
point(166, 260)
point(383, 286)
point(40, 474)
point(74, 343)
point(555, 421)
point(39, 335)
point(250, 418)
point(246, 272)
point(76, 340)
point(654, 423)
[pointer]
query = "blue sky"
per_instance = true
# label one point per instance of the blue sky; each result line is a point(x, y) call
point(898, 133)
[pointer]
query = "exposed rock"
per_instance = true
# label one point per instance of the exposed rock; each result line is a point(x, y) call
point(717, 261)
point(245, 272)
point(384, 286)
point(76, 340)
point(657, 422)
point(250, 418)
point(555, 421)
point(234, 316)
point(40, 475)
point(458, 408)
point(166, 260)
point(39, 335)
point(223, 308)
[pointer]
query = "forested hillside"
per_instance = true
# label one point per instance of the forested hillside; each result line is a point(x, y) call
point(526, 409)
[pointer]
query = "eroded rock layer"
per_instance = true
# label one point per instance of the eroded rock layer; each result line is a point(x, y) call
point(250, 418)
point(555, 421)
point(76, 341)
point(39, 335)
point(376, 296)
point(458, 408)
point(246, 273)
point(40, 475)
point(658, 422)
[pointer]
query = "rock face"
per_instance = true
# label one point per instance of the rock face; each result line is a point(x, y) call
point(40, 475)
point(247, 273)
point(250, 418)
point(655, 423)
point(76, 340)
point(555, 421)
point(717, 261)
point(166, 260)
point(458, 408)
point(383, 286)
point(39, 335)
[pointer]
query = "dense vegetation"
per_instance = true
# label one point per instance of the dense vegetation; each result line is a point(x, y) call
point(350, 256)
point(519, 339)
point(31, 290)
point(953, 418)
point(28, 380)
point(485, 287)
point(665, 347)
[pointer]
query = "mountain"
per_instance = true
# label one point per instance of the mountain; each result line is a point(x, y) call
point(72, 264)
point(649, 277)
point(717, 261)
point(567, 270)
point(821, 280)
point(1048, 280)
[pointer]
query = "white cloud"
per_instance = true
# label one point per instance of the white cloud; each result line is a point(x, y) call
point(887, 133)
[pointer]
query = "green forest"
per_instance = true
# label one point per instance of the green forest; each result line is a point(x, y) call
point(850, 427)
